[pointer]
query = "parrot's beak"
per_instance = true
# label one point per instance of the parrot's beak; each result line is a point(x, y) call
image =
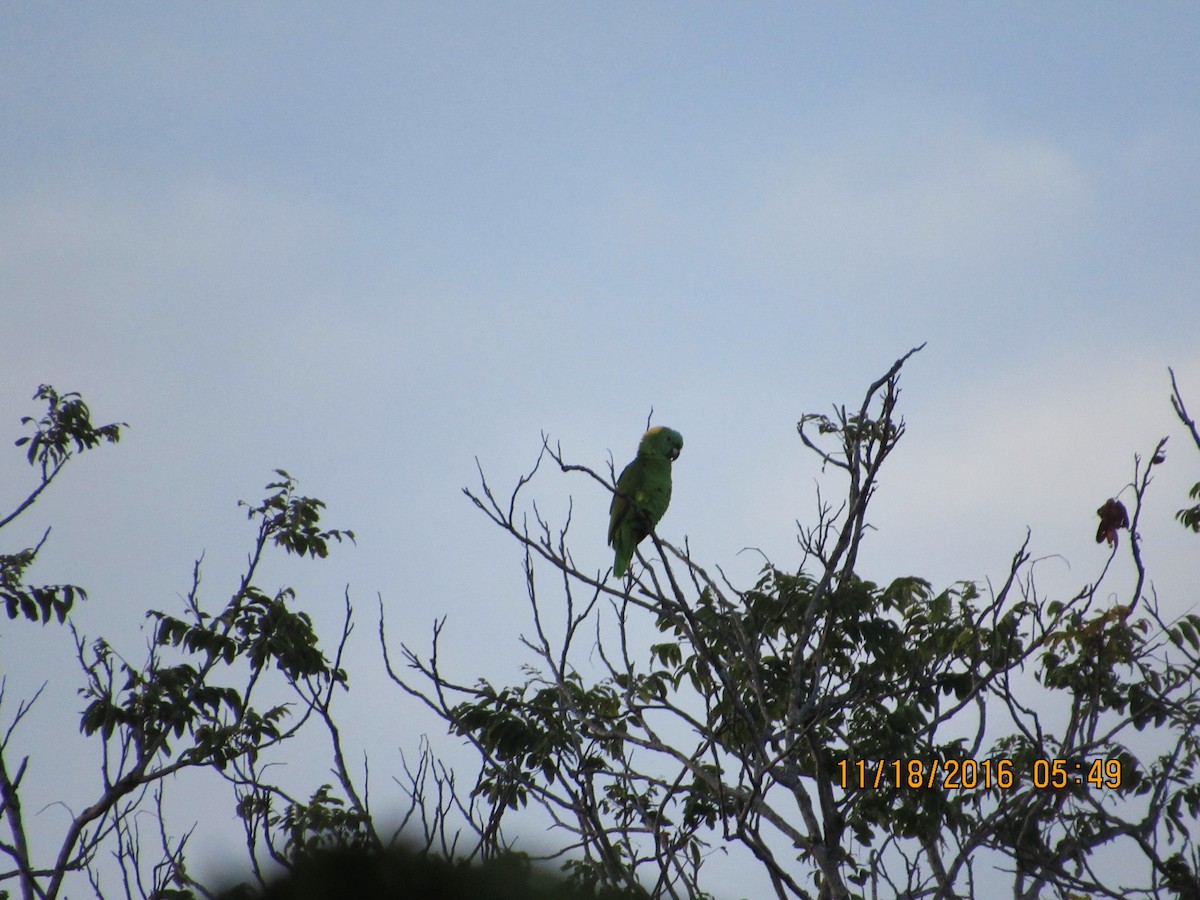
point(674, 454)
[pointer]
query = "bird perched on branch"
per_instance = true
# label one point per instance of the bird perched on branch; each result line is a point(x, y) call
point(643, 494)
point(1112, 516)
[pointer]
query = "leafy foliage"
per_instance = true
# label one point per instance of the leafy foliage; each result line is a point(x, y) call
point(1190, 517)
point(67, 423)
point(34, 602)
point(408, 874)
point(189, 705)
point(855, 739)
point(292, 522)
point(846, 737)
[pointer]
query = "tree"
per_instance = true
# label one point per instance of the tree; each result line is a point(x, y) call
point(400, 873)
point(851, 738)
point(848, 738)
point(191, 704)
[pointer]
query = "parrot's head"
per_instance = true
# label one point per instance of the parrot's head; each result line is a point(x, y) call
point(661, 443)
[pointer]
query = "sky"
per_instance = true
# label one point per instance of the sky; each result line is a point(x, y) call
point(374, 244)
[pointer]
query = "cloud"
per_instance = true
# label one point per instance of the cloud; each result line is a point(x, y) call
point(165, 236)
point(950, 203)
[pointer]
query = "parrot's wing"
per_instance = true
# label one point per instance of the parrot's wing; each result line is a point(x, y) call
point(656, 491)
point(624, 498)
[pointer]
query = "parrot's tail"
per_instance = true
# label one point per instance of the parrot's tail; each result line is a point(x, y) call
point(621, 564)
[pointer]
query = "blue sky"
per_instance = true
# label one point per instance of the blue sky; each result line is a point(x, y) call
point(369, 244)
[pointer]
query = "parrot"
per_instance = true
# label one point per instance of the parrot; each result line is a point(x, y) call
point(643, 494)
point(1112, 516)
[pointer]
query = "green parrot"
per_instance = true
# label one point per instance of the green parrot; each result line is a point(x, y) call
point(643, 494)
